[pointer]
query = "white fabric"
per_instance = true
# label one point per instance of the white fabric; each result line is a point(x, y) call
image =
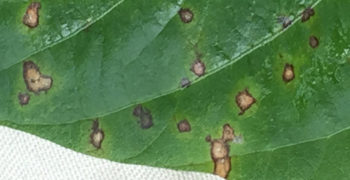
point(24, 156)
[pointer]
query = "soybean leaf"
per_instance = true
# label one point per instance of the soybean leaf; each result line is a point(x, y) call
point(297, 128)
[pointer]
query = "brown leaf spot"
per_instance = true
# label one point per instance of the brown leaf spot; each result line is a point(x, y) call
point(186, 15)
point(97, 135)
point(34, 80)
point(23, 98)
point(307, 13)
point(184, 126)
point(288, 73)
point(220, 151)
point(31, 17)
point(244, 100)
point(198, 68)
point(313, 41)
point(145, 116)
point(185, 82)
point(285, 21)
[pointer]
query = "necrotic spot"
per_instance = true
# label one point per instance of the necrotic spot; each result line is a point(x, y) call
point(31, 17)
point(313, 41)
point(288, 73)
point(184, 126)
point(220, 151)
point(23, 98)
point(307, 13)
point(198, 68)
point(185, 82)
point(33, 78)
point(97, 135)
point(186, 15)
point(244, 100)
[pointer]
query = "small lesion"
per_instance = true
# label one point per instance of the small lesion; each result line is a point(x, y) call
point(97, 135)
point(23, 98)
point(184, 126)
point(186, 15)
point(244, 100)
point(198, 67)
point(288, 73)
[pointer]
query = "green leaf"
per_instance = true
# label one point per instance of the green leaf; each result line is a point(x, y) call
point(295, 130)
point(137, 52)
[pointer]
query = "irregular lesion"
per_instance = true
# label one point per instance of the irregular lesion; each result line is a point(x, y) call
point(31, 17)
point(33, 78)
point(220, 151)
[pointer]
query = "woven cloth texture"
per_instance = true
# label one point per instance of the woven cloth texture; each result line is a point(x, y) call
point(25, 156)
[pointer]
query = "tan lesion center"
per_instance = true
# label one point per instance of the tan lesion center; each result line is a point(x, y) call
point(34, 80)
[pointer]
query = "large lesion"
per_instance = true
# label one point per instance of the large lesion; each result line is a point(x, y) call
point(35, 81)
point(220, 151)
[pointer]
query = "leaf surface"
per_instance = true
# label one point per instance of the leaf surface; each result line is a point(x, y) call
point(137, 52)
